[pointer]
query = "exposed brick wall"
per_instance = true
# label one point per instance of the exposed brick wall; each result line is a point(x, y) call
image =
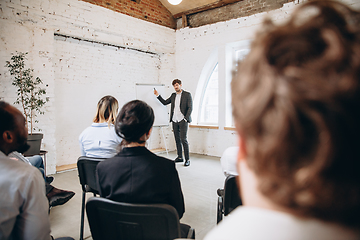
point(235, 10)
point(148, 10)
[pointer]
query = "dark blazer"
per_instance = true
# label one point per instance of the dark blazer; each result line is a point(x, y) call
point(136, 175)
point(185, 104)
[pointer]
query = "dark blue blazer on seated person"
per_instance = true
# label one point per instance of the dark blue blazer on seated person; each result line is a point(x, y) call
point(136, 175)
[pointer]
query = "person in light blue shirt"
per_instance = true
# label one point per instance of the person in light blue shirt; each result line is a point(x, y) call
point(100, 139)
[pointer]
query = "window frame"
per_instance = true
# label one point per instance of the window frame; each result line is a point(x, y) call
point(232, 61)
point(202, 98)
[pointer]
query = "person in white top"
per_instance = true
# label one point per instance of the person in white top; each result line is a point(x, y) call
point(100, 139)
point(296, 100)
point(228, 161)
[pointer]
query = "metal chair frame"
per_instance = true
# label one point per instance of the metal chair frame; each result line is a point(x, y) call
point(87, 176)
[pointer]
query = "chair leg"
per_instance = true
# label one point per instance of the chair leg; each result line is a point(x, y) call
point(82, 216)
point(191, 234)
point(220, 209)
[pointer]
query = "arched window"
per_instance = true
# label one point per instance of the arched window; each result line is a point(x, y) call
point(209, 103)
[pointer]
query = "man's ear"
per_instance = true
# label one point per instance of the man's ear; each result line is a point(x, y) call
point(7, 137)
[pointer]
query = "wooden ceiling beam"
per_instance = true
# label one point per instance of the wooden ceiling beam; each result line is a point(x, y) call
point(184, 21)
point(217, 4)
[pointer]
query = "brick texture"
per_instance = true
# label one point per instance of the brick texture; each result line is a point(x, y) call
point(148, 10)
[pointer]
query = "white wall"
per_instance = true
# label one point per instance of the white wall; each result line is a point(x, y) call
point(78, 73)
point(193, 48)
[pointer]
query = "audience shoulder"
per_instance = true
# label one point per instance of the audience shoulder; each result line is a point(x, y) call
point(24, 171)
point(164, 159)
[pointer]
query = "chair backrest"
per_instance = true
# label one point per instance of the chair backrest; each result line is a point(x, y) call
point(112, 220)
point(232, 198)
point(87, 173)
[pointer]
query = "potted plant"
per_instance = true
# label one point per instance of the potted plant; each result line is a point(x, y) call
point(29, 96)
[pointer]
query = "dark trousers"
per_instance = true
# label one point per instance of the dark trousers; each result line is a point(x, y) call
point(180, 133)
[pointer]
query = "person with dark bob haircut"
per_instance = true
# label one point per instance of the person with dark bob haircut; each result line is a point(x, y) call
point(296, 105)
point(136, 175)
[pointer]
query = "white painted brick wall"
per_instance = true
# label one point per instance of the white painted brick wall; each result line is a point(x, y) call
point(193, 47)
point(86, 71)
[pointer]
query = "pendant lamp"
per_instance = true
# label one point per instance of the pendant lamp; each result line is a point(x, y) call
point(174, 2)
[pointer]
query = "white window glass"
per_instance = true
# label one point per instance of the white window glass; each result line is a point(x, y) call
point(238, 56)
point(209, 107)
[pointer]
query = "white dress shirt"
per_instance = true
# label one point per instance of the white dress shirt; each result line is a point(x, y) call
point(178, 116)
point(23, 204)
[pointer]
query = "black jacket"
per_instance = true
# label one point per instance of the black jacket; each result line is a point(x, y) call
point(185, 104)
point(136, 175)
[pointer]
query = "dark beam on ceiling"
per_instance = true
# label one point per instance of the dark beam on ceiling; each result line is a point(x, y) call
point(217, 4)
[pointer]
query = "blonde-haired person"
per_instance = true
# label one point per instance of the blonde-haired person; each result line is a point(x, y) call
point(100, 139)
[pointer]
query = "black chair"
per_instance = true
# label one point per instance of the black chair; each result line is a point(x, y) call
point(112, 220)
point(228, 198)
point(87, 176)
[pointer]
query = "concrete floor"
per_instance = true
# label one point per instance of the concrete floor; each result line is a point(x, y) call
point(199, 184)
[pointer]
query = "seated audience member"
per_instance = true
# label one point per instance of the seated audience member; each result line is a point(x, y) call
point(100, 140)
point(296, 101)
point(136, 175)
point(55, 196)
point(23, 205)
point(228, 161)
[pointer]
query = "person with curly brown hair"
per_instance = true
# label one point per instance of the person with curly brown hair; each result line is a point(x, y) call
point(296, 101)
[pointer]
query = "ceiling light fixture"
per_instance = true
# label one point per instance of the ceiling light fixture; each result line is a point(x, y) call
point(174, 2)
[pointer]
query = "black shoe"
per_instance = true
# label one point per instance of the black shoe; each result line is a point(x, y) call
point(58, 197)
point(179, 159)
point(187, 163)
point(49, 179)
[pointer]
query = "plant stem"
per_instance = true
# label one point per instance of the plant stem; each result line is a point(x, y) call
point(22, 97)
